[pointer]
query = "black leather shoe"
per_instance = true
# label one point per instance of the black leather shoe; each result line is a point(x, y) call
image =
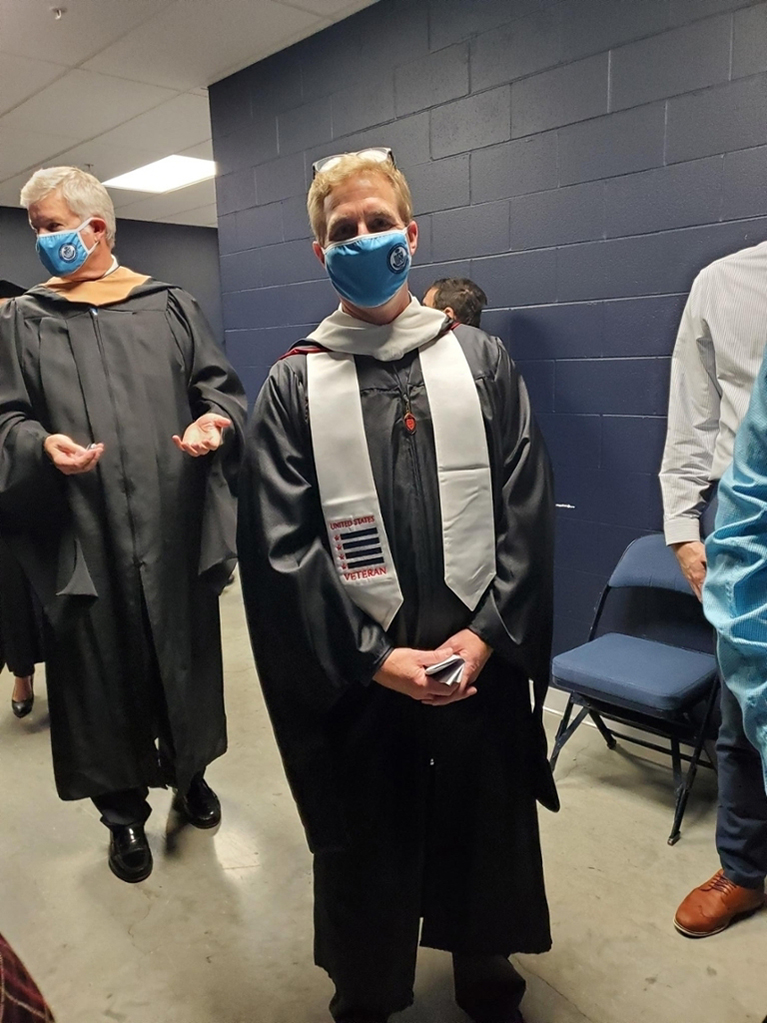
point(23, 707)
point(130, 857)
point(200, 806)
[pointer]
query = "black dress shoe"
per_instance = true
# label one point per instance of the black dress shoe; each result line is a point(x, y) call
point(200, 805)
point(23, 707)
point(130, 857)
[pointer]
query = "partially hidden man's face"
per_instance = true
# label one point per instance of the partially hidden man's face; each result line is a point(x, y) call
point(429, 300)
point(362, 205)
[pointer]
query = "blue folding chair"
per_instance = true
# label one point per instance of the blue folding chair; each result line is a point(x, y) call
point(651, 686)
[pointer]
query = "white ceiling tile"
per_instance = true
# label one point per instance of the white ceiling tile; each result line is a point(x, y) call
point(85, 104)
point(330, 8)
point(29, 28)
point(10, 189)
point(121, 109)
point(105, 161)
point(151, 207)
point(196, 42)
point(21, 77)
point(179, 123)
point(203, 151)
point(122, 197)
point(20, 149)
point(204, 217)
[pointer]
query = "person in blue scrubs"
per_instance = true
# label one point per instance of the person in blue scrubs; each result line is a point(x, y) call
point(735, 593)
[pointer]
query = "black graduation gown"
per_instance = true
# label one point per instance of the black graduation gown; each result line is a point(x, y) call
point(20, 632)
point(410, 810)
point(127, 559)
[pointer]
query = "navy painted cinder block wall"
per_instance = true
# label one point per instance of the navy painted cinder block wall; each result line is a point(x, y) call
point(580, 159)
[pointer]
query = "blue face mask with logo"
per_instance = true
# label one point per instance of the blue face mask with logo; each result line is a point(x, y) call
point(64, 252)
point(369, 270)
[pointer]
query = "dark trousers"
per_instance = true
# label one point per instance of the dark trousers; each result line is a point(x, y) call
point(366, 938)
point(487, 988)
point(741, 823)
point(127, 808)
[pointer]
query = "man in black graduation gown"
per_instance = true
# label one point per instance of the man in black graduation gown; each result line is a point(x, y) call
point(120, 421)
point(376, 540)
point(20, 634)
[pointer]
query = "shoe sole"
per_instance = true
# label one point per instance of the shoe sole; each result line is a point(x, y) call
point(707, 934)
point(130, 878)
point(200, 826)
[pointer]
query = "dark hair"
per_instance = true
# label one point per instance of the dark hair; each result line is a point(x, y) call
point(465, 298)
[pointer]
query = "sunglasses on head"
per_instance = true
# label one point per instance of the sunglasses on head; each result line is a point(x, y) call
point(378, 153)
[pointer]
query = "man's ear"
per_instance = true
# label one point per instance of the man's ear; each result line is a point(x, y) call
point(412, 235)
point(99, 228)
point(449, 311)
point(318, 252)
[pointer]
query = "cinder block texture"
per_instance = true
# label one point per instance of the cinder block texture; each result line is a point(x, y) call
point(582, 160)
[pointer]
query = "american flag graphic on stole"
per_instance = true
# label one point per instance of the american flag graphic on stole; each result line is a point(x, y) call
point(357, 549)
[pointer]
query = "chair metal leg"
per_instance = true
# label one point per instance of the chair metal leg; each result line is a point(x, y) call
point(681, 799)
point(681, 803)
point(684, 794)
point(565, 730)
point(558, 740)
point(604, 731)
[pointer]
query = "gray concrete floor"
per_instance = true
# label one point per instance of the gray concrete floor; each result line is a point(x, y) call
point(222, 932)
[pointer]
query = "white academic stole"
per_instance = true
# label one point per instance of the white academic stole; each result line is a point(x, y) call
point(350, 505)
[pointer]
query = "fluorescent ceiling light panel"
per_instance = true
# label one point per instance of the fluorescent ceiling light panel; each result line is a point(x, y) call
point(165, 175)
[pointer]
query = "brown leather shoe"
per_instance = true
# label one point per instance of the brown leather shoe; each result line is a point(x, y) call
point(716, 904)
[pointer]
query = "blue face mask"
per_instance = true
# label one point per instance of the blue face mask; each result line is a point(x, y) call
point(370, 269)
point(64, 252)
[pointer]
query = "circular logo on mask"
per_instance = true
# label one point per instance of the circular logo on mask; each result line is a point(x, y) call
point(398, 259)
point(68, 252)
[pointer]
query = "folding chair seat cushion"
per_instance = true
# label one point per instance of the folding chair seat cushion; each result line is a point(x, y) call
point(637, 674)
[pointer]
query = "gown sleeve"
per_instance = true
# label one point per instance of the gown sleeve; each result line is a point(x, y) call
point(735, 591)
point(213, 386)
point(23, 462)
point(515, 615)
point(293, 596)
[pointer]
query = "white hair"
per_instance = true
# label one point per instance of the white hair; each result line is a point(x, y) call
point(83, 194)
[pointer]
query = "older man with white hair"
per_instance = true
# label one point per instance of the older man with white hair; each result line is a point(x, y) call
point(120, 420)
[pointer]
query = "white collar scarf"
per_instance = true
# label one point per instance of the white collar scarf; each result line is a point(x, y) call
point(388, 342)
point(351, 509)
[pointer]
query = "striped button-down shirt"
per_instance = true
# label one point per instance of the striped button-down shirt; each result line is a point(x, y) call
point(717, 355)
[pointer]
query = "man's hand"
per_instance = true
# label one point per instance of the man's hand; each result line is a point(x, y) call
point(404, 672)
point(692, 559)
point(69, 457)
point(203, 435)
point(473, 650)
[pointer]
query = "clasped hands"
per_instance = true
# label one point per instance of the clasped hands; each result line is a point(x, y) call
point(204, 435)
point(404, 670)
